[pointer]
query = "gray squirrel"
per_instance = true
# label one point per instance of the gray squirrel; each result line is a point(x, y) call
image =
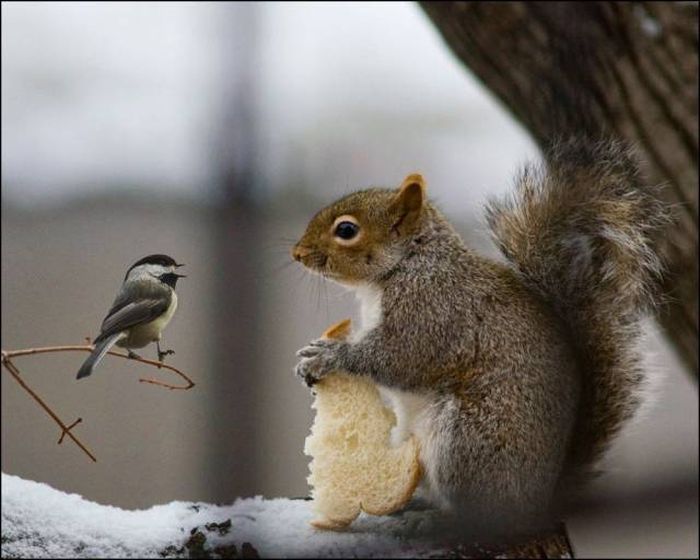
point(514, 377)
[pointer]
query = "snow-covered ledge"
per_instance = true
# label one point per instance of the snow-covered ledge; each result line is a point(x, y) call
point(41, 522)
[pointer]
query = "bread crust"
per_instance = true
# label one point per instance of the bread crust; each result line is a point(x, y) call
point(409, 449)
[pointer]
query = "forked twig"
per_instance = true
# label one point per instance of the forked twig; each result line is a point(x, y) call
point(66, 430)
point(90, 348)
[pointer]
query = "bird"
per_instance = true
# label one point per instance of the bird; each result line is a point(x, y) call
point(144, 305)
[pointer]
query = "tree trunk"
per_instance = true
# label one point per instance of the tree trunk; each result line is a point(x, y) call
point(627, 69)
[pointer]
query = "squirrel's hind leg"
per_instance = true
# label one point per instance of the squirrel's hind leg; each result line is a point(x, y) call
point(480, 483)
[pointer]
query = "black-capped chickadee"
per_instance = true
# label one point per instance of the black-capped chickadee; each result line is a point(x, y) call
point(144, 305)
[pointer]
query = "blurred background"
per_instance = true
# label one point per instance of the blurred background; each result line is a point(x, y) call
point(212, 132)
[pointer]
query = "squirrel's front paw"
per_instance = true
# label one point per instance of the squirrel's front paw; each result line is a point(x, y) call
point(319, 358)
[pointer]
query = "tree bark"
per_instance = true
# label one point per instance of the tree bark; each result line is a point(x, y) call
point(627, 69)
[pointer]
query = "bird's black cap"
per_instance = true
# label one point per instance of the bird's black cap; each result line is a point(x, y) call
point(163, 260)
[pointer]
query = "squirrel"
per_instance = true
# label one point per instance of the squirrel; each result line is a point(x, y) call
point(516, 376)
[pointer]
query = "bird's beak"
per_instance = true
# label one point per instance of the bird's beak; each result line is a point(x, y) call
point(176, 265)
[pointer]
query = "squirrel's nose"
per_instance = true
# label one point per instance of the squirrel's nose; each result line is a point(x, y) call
point(299, 252)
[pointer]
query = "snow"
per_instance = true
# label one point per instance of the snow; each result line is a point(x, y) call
point(39, 521)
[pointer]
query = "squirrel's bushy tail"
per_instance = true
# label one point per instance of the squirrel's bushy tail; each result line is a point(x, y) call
point(577, 229)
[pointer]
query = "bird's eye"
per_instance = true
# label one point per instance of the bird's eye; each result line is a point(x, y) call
point(346, 230)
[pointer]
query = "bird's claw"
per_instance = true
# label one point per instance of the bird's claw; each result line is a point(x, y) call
point(163, 353)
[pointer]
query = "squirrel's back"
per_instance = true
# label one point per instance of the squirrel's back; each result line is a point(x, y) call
point(578, 232)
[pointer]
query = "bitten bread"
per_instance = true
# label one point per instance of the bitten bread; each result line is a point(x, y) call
point(354, 468)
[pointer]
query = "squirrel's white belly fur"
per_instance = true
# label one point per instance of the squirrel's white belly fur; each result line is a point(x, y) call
point(411, 409)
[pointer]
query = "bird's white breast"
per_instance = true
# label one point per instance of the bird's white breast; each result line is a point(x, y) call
point(164, 319)
point(146, 333)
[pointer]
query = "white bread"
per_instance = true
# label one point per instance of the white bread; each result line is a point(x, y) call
point(354, 468)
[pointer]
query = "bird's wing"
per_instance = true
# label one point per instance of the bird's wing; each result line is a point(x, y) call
point(134, 313)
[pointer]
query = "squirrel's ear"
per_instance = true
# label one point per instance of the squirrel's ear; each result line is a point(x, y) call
point(408, 202)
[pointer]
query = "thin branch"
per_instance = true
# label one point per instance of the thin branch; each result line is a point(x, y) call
point(66, 430)
point(90, 348)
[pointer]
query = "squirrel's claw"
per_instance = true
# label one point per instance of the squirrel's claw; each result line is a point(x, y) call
point(309, 351)
point(324, 342)
point(303, 371)
point(315, 347)
point(317, 359)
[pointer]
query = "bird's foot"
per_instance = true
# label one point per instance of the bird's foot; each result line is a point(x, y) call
point(133, 355)
point(163, 353)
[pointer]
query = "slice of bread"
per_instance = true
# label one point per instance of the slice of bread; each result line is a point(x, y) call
point(354, 468)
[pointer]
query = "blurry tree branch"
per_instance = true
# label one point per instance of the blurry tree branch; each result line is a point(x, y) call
point(7, 356)
point(628, 69)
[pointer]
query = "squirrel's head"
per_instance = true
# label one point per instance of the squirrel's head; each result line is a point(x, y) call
point(362, 236)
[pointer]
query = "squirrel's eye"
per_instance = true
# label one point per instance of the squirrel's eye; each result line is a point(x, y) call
point(346, 230)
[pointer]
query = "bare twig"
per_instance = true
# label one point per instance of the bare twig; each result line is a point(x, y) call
point(90, 347)
point(66, 430)
point(63, 434)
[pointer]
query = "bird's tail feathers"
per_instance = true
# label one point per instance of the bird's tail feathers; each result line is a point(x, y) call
point(101, 348)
